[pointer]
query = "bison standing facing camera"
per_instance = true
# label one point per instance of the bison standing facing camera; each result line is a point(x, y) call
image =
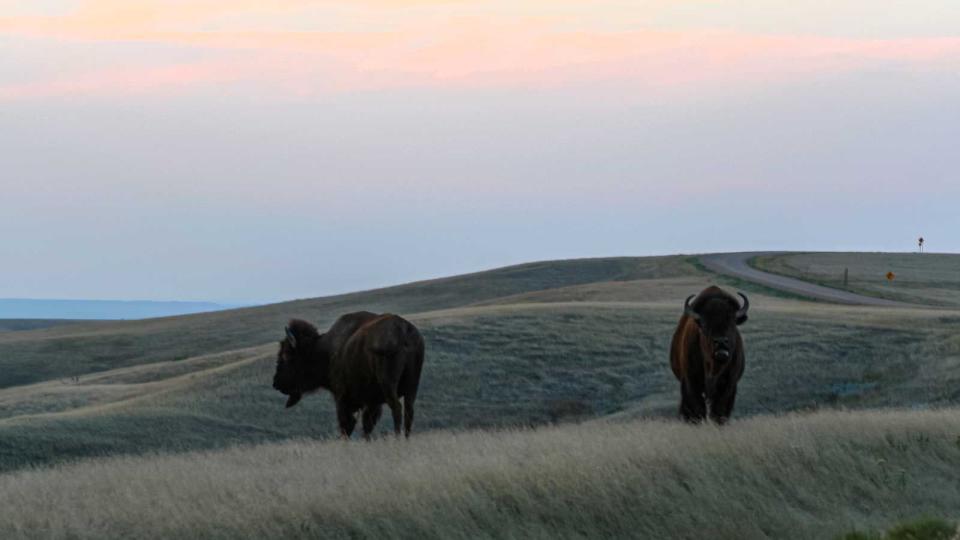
point(364, 360)
point(707, 355)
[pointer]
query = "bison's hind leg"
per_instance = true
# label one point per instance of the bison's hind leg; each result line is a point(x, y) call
point(346, 420)
point(371, 415)
point(407, 414)
point(394, 403)
point(409, 384)
point(390, 372)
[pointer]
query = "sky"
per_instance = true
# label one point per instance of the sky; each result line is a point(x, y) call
point(241, 151)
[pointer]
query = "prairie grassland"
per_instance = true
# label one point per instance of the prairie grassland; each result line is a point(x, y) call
point(519, 363)
point(499, 366)
point(796, 476)
point(149, 428)
point(931, 279)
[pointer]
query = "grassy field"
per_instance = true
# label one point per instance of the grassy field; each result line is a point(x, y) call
point(817, 475)
point(523, 362)
point(546, 343)
point(931, 279)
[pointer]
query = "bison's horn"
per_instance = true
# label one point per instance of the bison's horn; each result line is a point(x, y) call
point(688, 309)
point(742, 312)
point(292, 339)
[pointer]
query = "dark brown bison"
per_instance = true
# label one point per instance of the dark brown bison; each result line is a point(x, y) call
point(707, 354)
point(364, 360)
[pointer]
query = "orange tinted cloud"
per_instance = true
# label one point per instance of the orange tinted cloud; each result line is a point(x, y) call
point(149, 19)
point(429, 44)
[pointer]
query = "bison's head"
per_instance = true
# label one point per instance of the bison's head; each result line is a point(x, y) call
point(295, 361)
point(717, 315)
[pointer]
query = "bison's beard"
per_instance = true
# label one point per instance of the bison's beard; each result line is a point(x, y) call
point(294, 399)
point(288, 388)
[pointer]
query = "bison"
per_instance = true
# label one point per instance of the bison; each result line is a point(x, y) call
point(364, 360)
point(707, 356)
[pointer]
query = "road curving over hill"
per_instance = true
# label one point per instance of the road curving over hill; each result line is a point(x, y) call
point(735, 265)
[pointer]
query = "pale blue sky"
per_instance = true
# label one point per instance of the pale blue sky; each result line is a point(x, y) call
point(199, 177)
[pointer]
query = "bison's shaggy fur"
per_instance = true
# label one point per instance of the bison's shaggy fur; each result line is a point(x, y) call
point(707, 355)
point(364, 360)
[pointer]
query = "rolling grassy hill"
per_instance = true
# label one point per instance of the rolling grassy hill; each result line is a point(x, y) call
point(204, 381)
point(93, 347)
point(526, 345)
point(531, 345)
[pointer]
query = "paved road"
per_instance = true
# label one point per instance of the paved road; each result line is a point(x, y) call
point(735, 264)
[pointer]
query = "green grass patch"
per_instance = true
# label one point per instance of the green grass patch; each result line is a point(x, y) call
point(921, 529)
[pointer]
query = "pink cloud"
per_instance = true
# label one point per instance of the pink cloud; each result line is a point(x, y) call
point(492, 50)
point(129, 81)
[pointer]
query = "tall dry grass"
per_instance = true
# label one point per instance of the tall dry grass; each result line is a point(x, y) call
point(798, 476)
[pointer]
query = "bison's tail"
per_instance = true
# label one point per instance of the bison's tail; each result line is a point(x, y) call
point(410, 379)
point(413, 351)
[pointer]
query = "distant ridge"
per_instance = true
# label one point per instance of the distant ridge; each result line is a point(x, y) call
point(27, 308)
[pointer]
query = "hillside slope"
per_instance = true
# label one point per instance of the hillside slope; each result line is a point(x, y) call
point(528, 357)
point(92, 347)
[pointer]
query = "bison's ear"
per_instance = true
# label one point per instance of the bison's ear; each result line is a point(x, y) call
point(294, 399)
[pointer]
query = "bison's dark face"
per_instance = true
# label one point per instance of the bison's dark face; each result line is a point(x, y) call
point(718, 318)
point(297, 362)
point(288, 375)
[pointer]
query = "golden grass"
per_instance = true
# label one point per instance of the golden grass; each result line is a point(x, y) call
point(797, 476)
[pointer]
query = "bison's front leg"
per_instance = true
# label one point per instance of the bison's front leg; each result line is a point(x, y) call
point(722, 407)
point(370, 417)
point(345, 419)
point(693, 406)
